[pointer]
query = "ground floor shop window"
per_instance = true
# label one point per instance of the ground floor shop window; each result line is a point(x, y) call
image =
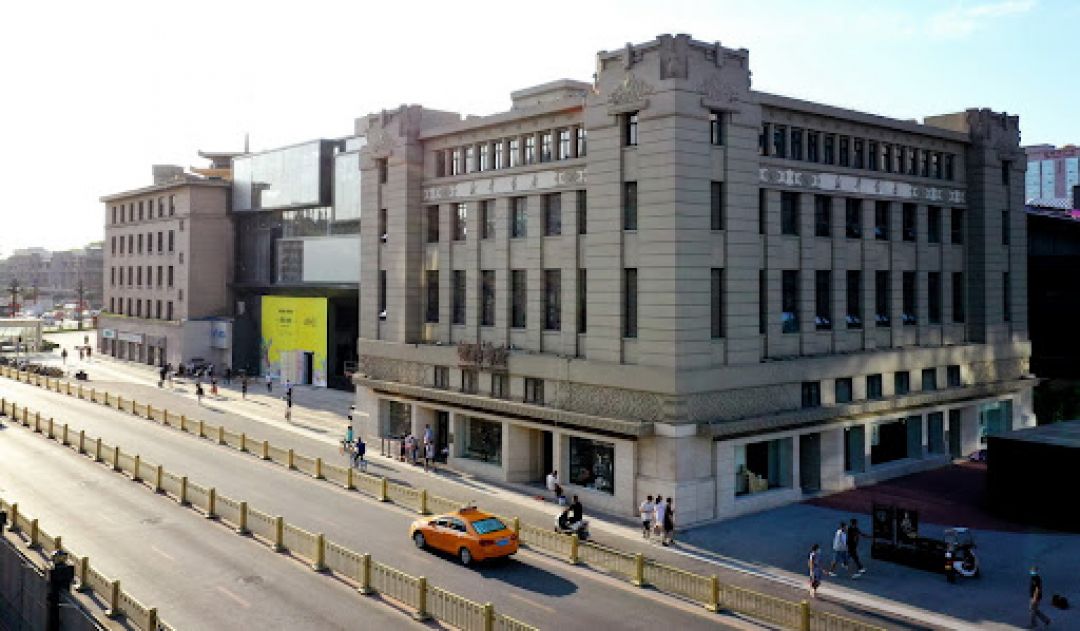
point(888, 441)
point(592, 464)
point(762, 466)
point(935, 433)
point(994, 418)
point(855, 449)
point(483, 441)
point(399, 419)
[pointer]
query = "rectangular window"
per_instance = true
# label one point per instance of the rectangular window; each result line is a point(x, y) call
point(763, 465)
point(829, 149)
point(789, 301)
point(859, 162)
point(872, 155)
point(881, 298)
point(887, 158)
point(630, 302)
point(112, 305)
point(843, 390)
point(716, 205)
point(822, 216)
point(629, 204)
point(716, 127)
point(949, 169)
point(929, 379)
point(779, 141)
point(958, 297)
point(909, 315)
point(582, 142)
point(455, 161)
point(881, 221)
point(458, 303)
point(112, 276)
point(382, 294)
point(461, 218)
point(552, 299)
point(487, 297)
point(500, 386)
point(717, 302)
point(935, 164)
point(545, 146)
point(519, 298)
point(1005, 231)
point(482, 150)
point(470, 159)
point(908, 222)
point(811, 394)
point(763, 301)
point(924, 163)
point(469, 381)
point(956, 226)
point(138, 302)
point(933, 297)
point(487, 219)
point(796, 143)
point(431, 281)
point(1006, 297)
point(630, 129)
point(139, 241)
point(553, 214)
point(873, 387)
point(592, 464)
point(514, 151)
point(442, 377)
point(432, 224)
point(933, 224)
point(440, 163)
point(170, 270)
point(763, 140)
point(112, 240)
point(582, 213)
point(157, 309)
point(564, 144)
point(530, 149)
point(845, 151)
point(853, 218)
point(497, 158)
point(952, 376)
point(160, 275)
point(854, 299)
point(483, 441)
point(902, 383)
point(534, 390)
point(160, 241)
point(789, 213)
point(582, 300)
point(812, 146)
point(383, 225)
point(823, 300)
point(384, 170)
point(172, 241)
point(169, 310)
point(519, 218)
point(762, 203)
point(138, 275)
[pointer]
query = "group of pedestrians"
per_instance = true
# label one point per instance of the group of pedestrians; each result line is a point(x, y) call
point(354, 445)
point(658, 518)
point(845, 547)
point(414, 450)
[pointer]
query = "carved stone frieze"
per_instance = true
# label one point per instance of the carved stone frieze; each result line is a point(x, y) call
point(843, 183)
point(630, 90)
point(714, 89)
point(380, 143)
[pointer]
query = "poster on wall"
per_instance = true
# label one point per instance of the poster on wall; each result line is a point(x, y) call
point(293, 343)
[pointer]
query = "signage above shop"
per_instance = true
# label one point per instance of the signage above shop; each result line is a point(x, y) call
point(108, 334)
point(130, 337)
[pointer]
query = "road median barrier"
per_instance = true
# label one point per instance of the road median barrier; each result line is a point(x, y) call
point(705, 590)
point(117, 602)
point(424, 600)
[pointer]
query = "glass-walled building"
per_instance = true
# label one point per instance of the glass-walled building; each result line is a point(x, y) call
point(297, 212)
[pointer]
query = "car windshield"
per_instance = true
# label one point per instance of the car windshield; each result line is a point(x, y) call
point(488, 525)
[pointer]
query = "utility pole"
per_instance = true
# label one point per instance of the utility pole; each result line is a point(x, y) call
point(14, 288)
point(80, 290)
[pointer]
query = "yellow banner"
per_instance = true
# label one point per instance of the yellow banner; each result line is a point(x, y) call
point(294, 339)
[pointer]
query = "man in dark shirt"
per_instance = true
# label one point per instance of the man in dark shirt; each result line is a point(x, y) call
point(853, 535)
point(576, 510)
point(1035, 593)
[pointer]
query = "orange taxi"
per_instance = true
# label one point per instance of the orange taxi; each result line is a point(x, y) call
point(468, 533)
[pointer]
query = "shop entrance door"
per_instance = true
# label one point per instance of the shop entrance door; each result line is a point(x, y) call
point(308, 364)
point(442, 434)
point(810, 463)
point(549, 453)
point(955, 448)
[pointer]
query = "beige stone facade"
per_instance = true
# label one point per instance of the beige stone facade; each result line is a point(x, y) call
point(667, 282)
point(168, 262)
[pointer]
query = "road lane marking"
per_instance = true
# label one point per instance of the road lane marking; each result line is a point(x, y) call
point(533, 603)
point(242, 602)
point(163, 553)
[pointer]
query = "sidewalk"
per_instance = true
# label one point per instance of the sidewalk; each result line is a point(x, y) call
point(316, 431)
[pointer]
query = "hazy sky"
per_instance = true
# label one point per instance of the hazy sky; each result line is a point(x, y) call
point(93, 93)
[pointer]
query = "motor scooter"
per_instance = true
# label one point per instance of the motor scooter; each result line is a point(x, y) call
point(960, 553)
point(580, 528)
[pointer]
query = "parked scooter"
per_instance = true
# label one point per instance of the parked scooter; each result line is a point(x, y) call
point(564, 527)
point(960, 556)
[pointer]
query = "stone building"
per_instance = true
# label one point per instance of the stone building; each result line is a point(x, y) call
point(168, 263)
point(667, 282)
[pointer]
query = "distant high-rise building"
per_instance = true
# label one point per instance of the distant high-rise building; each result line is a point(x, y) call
point(1052, 172)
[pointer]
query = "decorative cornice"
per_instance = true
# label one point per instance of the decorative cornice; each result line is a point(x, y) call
point(874, 187)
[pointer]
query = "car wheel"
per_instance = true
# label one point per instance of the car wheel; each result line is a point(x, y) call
point(465, 556)
point(419, 540)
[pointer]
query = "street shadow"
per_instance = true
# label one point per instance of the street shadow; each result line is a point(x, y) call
point(520, 575)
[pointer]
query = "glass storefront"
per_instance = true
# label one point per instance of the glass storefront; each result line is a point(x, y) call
point(889, 441)
point(483, 441)
point(283, 178)
point(592, 464)
point(399, 419)
point(994, 418)
point(762, 466)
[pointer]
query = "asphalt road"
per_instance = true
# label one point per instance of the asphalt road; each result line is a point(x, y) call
point(533, 588)
point(198, 575)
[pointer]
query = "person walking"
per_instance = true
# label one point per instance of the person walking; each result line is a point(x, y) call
point(162, 373)
point(243, 387)
point(228, 376)
point(269, 383)
point(213, 385)
point(839, 546)
point(80, 353)
point(554, 487)
point(63, 356)
point(1035, 594)
point(853, 536)
point(669, 524)
point(346, 443)
point(358, 454)
point(199, 391)
point(429, 456)
point(288, 405)
point(647, 510)
point(814, 565)
point(658, 517)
